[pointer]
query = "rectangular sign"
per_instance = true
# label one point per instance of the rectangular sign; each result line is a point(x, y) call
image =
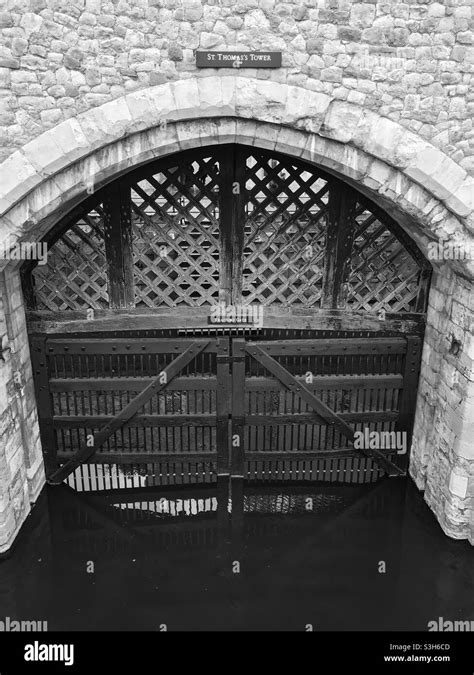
point(208, 59)
point(236, 314)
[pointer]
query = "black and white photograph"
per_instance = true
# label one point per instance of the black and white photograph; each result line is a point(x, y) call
point(237, 332)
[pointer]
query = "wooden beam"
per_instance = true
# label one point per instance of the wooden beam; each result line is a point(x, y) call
point(300, 455)
point(332, 346)
point(238, 407)
point(39, 362)
point(131, 383)
point(171, 420)
point(118, 245)
point(232, 214)
point(409, 392)
point(27, 283)
point(223, 405)
point(339, 240)
point(423, 289)
point(196, 318)
point(119, 457)
point(124, 345)
point(253, 383)
point(311, 418)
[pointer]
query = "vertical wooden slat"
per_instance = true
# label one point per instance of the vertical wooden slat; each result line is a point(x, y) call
point(118, 245)
point(223, 405)
point(423, 290)
point(26, 274)
point(407, 404)
point(340, 228)
point(238, 406)
point(45, 404)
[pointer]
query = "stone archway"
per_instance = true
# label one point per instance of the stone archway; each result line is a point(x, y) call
point(428, 193)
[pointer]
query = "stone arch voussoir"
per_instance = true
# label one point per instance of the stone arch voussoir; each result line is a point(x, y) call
point(425, 190)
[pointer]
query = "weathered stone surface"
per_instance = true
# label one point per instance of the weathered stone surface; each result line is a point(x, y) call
point(388, 43)
point(380, 92)
point(17, 176)
point(306, 109)
point(341, 121)
point(175, 53)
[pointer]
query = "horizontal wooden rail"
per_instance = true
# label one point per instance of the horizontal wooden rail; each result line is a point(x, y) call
point(191, 383)
point(171, 420)
point(332, 346)
point(209, 420)
point(302, 455)
point(119, 457)
point(76, 321)
point(312, 418)
point(125, 346)
point(330, 382)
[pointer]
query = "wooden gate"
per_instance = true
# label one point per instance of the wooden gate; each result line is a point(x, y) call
point(134, 367)
point(133, 401)
point(308, 408)
point(267, 409)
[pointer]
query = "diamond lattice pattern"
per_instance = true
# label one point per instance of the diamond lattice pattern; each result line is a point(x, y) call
point(75, 274)
point(286, 215)
point(175, 221)
point(383, 274)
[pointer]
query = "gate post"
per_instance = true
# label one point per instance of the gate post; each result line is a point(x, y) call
point(39, 361)
point(223, 405)
point(407, 408)
point(238, 408)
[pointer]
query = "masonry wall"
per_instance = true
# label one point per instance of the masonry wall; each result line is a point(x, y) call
point(443, 446)
point(21, 466)
point(409, 61)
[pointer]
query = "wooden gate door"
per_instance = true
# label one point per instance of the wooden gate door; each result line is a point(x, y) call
point(323, 408)
point(133, 401)
point(133, 364)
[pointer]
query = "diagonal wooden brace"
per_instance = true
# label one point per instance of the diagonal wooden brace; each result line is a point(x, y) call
point(320, 408)
point(296, 387)
point(173, 369)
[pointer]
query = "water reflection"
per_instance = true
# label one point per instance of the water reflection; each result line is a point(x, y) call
point(235, 556)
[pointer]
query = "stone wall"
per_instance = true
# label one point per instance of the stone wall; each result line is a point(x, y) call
point(21, 465)
point(442, 458)
point(379, 92)
point(409, 61)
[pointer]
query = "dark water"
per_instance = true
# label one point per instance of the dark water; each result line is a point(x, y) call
point(307, 555)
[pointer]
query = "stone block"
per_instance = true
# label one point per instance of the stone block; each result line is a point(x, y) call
point(17, 176)
point(106, 123)
point(306, 108)
point(144, 113)
point(186, 97)
point(44, 154)
point(341, 121)
point(211, 102)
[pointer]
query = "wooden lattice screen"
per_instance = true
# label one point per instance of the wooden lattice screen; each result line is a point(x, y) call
point(178, 233)
point(75, 276)
point(175, 221)
point(285, 223)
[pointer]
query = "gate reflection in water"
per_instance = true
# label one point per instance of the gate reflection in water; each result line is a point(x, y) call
point(230, 556)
